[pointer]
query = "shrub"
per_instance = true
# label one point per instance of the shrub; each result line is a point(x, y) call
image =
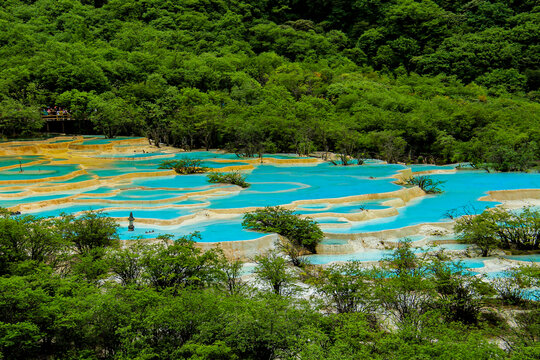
point(184, 166)
point(300, 232)
point(234, 178)
point(426, 183)
point(501, 228)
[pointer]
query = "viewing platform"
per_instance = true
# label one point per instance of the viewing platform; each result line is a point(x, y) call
point(61, 117)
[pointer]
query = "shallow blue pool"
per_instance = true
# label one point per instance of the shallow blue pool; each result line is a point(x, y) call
point(271, 185)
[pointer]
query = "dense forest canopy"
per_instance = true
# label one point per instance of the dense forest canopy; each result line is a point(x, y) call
point(68, 290)
point(403, 80)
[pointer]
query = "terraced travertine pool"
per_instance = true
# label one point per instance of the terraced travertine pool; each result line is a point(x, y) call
point(346, 200)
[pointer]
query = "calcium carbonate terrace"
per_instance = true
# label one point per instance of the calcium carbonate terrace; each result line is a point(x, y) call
point(360, 208)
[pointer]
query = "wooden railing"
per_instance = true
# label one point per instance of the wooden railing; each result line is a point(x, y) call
point(61, 117)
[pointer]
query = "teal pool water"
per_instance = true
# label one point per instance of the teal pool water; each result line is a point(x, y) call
point(211, 231)
point(16, 160)
point(29, 199)
point(528, 258)
point(39, 171)
point(334, 242)
point(330, 220)
point(358, 206)
point(75, 179)
point(135, 156)
point(96, 142)
point(312, 207)
point(458, 247)
point(100, 140)
point(419, 167)
point(164, 214)
point(271, 185)
point(409, 239)
point(372, 255)
point(67, 208)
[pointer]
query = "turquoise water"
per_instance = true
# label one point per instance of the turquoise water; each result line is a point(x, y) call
point(135, 156)
point(115, 172)
point(330, 220)
point(105, 141)
point(334, 242)
point(528, 258)
point(11, 160)
point(173, 181)
point(68, 209)
point(418, 167)
point(76, 179)
point(39, 171)
point(473, 263)
point(312, 207)
point(358, 206)
point(453, 246)
point(322, 181)
point(61, 141)
point(409, 239)
point(211, 231)
point(270, 185)
point(165, 214)
point(31, 199)
point(96, 142)
point(372, 255)
point(461, 189)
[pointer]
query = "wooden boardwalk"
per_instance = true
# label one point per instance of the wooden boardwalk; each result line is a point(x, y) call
point(63, 117)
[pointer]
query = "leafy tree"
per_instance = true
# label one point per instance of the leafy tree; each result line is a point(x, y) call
point(89, 233)
point(459, 291)
point(127, 263)
point(347, 286)
point(180, 264)
point(232, 271)
point(272, 270)
point(29, 239)
point(405, 289)
point(501, 228)
point(478, 230)
point(17, 118)
point(301, 232)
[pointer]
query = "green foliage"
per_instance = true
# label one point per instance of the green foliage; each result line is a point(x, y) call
point(479, 230)
point(89, 233)
point(348, 286)
point(28, 239)
point(459, 292)
point(272, 270)
point(437, 80)
point(170, 299)
point(405, 289)
point(396, 80)
point(234, 178)
point(18, 119)
point(180, 264)
point(184, 166)
point(302, 232)
point(426, 183)
point(501, 228)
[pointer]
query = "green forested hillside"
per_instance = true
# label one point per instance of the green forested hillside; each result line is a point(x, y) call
point(403, 80)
